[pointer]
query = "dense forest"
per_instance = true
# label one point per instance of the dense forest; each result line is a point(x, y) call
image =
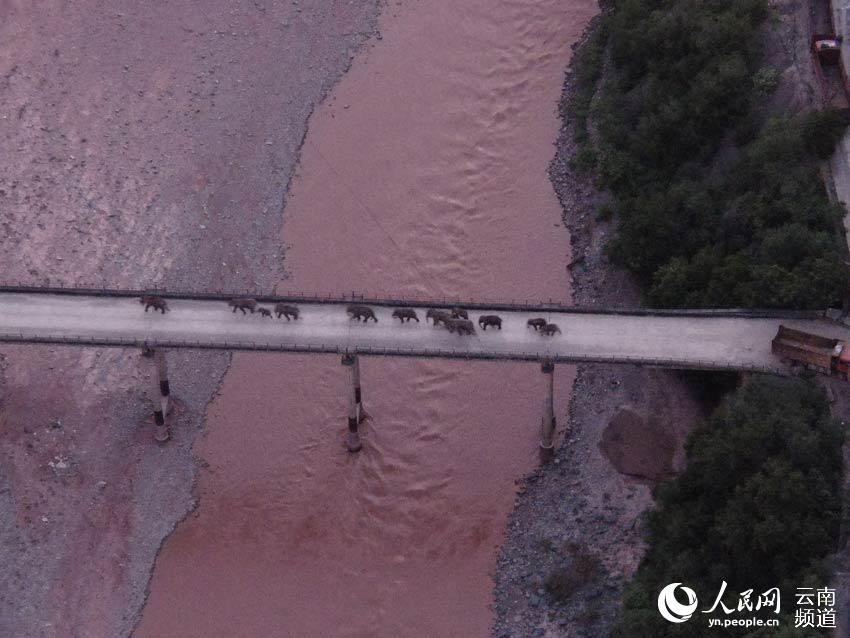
point(759, 506)
point(717, 204)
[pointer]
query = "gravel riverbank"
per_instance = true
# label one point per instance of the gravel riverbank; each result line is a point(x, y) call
point(139, 144)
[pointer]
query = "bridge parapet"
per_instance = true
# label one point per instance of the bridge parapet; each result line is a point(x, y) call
point(89, 290)
point(252, 346)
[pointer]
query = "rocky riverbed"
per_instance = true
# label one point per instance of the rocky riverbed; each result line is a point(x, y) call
point(140, 144)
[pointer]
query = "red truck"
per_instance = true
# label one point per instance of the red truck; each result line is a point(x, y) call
point(826, 50)
point(828, 356)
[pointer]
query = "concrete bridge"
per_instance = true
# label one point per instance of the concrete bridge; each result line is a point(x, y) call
point(705, 340)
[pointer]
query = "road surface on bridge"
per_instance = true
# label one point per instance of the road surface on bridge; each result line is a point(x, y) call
point(682, 341)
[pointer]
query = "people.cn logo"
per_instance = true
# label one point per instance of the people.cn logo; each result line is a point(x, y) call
point(671, 609)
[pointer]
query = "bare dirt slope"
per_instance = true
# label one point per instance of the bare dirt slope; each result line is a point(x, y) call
point(139, 143)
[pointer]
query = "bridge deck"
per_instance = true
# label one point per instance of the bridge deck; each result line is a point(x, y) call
point(687, 341)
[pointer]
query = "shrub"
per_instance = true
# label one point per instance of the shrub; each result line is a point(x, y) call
point(822, 131)
point(566, 580)
point(584, 160)
point(755, 229)
point(758, 506)
point(587, 67)
point(766, 80)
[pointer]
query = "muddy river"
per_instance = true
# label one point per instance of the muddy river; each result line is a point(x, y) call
point(423, 173)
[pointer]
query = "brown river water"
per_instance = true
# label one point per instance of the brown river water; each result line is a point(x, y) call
point(424, 173)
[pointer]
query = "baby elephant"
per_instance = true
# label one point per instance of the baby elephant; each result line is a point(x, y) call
point(405, 314)
point(489, 320)
point(244, 305)
point(537, 324)
point(286, 311)
point(152, 301)
point(437, 316)
point(265, 312)
point(363, 313)
point(460, 326)
point(549, 329)
point(459, 313)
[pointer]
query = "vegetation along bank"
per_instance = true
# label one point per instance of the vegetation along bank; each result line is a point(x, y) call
point(718, 200)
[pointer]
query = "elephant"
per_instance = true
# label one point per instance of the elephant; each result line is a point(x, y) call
point(460, 326)
point(489, 320)
point(286, 311)
point(537, 323)
point(244, 305)
point(152, 301)
point(363, 313)
point(437, 316)
point(550, 329)
point(405, 314)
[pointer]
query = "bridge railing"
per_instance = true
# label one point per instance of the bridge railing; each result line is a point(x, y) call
point(401, 301)
point(243, 345)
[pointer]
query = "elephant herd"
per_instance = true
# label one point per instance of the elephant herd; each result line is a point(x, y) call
point(455, 320)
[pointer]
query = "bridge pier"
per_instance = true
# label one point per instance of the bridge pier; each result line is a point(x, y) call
point(159, 391)
point(547, 424)
point(356, 413)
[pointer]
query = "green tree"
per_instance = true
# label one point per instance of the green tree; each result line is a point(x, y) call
point(758, 506)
